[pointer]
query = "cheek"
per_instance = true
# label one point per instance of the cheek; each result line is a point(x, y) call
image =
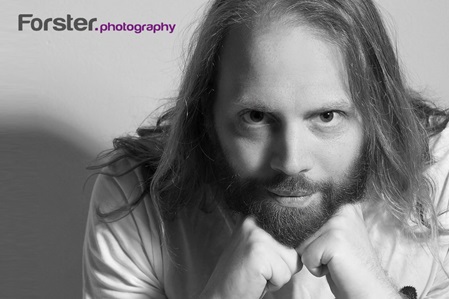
point(338, 158)
point(246, 157)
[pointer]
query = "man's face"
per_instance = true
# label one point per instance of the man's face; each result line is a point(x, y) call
point(290, 140)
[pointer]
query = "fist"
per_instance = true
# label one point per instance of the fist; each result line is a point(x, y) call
point(342, 251)
point(252, 264)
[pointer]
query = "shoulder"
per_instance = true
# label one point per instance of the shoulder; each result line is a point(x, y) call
point(119, 194)
point(122, 253)
point(117, 184)
point(116, 188)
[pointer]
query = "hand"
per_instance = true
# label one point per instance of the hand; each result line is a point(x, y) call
point(251, 264)
point(342, 251)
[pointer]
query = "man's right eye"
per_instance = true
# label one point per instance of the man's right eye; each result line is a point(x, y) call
point(254, 117)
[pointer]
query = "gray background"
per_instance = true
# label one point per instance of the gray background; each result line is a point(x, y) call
point(65, 95)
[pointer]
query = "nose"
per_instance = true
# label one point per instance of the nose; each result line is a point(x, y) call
point(292, 151)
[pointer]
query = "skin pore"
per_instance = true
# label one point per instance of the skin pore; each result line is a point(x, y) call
point(290, 139)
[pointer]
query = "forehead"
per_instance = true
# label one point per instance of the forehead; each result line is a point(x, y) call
point(280, 61)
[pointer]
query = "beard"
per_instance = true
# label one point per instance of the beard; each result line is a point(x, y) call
point(289, 225)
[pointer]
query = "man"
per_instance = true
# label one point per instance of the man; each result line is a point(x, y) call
point(294, 164)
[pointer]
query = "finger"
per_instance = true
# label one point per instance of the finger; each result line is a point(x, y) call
point(302, 247)
point(315, 257)
point(281, 274)
point(283, 268)
point(345, 212)
point(283, 264)
point(289, 256)
point(248, 223)
point(315, 267)
point(320, 271)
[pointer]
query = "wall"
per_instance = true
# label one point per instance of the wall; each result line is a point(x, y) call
point(65, 95)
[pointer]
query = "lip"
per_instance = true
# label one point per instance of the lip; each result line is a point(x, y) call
point(289, 194)
point(296, 200)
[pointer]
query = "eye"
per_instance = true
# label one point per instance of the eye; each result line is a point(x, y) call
point(327, 116)
point(330, 119)
point(254, 117)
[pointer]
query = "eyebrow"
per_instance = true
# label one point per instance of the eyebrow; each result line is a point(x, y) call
point(340, 104)
point(254, 105)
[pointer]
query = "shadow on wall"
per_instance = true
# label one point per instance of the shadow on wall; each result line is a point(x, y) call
point(43, 212)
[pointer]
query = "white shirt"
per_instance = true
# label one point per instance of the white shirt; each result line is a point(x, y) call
point(125, 259)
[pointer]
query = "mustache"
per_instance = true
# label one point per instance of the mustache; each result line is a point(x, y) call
point(282, 183)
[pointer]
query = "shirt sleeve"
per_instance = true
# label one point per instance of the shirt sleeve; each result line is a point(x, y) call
point(117, 261)
point(440, 176)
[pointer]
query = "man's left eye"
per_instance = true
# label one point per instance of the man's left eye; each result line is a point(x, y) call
point(327, 116)
point(330, 119)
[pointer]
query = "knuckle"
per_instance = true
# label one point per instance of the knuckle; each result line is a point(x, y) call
point(286, 275)
point(256, 250)
point(317, 271)
point(248, 223)
point(306, 260)
point(256, 234)
point(252, 236)
point(281, 277)
point(337, 237)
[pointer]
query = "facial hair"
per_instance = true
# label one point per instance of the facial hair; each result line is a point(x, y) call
point(290, 226)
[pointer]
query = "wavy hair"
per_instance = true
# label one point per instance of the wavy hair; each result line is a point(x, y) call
point(175, 157)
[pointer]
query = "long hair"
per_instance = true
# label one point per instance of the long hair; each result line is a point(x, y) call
point(175, 157)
